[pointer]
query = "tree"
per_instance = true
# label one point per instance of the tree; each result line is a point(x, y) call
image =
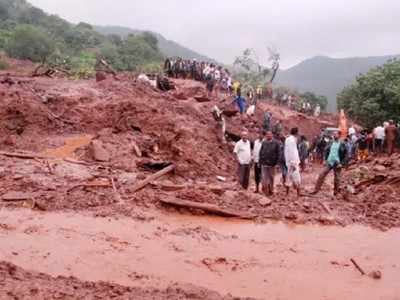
point(315, 100)
point(150, 39)
point(250, 71)
point(274, 58)
point(375, 96)
point(28, 42)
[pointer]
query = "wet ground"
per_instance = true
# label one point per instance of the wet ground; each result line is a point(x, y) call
point(269, 261)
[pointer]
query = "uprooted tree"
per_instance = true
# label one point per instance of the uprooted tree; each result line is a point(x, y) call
point(251, 72)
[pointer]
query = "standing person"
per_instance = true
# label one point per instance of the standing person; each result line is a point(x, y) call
point(379, 137)
point(317, 111)
point(277, 130)
point(335, 158)
point(243, 154)
point(390, 134)
point(282, 161)
point(241, 103)
point(256, 159)
point(293, 160)
point(303, 152)
point(267, 121)
point(236, 88)
point(269, 157)
point(362, 146)
point(259, 92)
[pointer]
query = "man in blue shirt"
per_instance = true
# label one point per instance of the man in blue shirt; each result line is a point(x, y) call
point(335, 157)
point(241, 103)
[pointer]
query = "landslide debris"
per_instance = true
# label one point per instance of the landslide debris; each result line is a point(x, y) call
point(18, 283)
point(93, 141)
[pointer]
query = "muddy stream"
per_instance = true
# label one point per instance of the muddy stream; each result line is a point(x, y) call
point(269, 261)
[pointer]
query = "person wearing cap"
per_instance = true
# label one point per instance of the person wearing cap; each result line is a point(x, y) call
point(243, 154)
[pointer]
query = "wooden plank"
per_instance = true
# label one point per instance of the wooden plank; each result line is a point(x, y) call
point(211, 208)
point(23, 155)
point(153, 177)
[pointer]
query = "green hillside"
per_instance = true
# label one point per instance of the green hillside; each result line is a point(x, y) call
point(167, 47)
point(27, 32)
point(327, 76)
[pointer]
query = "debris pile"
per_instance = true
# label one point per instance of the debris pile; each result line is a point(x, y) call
point(18, 283)
point(99, 146)
point(374, 188)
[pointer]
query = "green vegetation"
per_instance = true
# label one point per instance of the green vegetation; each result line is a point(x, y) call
point(327, 76)
point(3, 65)
point(315, 100)
point(375, 95)
point(249, 71)
point(26, 32)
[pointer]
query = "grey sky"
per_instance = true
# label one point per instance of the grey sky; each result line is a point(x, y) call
point(221, 29)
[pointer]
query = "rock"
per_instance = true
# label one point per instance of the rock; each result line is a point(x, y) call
point(379, 168)
point(100, 76)
point(327, 220)
point(350, 189)
point(99, 152)
point(264, 201)
point(16, 196)
point(10, 140)
point(375, 274)
point(291, 216)
point(220, 178)
point(216, 189)
point(306, 205)
point(127, 178)
point(136, 149)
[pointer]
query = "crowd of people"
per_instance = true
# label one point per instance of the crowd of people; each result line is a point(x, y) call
point(217, 78)
point(363, 143)
point(272, 151)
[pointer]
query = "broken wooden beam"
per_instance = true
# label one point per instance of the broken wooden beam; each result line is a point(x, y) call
point(153, 177)
point(357, 266)
point(211, 208)
point(24, 155)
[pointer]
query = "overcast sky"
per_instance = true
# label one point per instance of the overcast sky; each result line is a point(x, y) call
point(221, 29)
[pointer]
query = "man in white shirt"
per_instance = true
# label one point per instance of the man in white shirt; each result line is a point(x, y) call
point(293, 160)
point(352, 131)
point(379, 137)
point(256, 159)
point(243, 154)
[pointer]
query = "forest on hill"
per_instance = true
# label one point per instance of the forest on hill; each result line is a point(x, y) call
point(27, 32)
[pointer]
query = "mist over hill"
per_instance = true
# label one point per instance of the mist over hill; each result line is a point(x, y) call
point(328, 76)
point(168, 47)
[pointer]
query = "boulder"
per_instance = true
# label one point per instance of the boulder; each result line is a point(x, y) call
point(99, 152)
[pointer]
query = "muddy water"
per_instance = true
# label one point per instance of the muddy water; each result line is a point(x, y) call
point(71, 144)
point(272, 261)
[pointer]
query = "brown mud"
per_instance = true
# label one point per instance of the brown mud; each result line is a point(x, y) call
point(267, 261)
point(68, 205)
